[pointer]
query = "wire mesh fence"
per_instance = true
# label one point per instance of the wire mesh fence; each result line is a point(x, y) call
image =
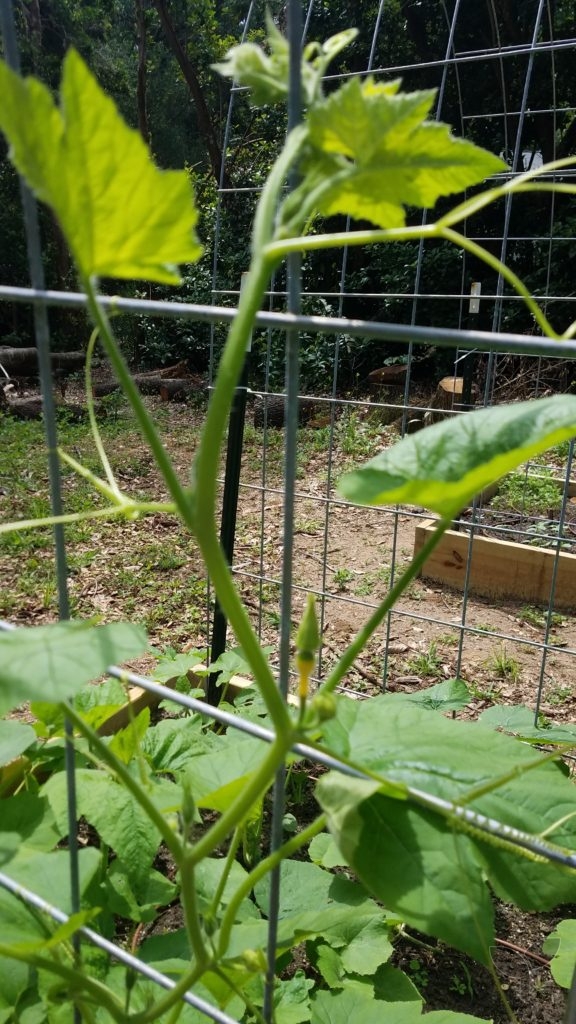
point(385, 348)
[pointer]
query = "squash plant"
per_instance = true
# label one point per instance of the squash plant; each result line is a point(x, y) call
point(432, 814)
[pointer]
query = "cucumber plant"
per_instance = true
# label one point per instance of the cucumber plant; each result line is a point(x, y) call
point(434, 813)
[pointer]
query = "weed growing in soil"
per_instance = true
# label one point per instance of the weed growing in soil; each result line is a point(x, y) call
point(425, 813)
point(504, 665)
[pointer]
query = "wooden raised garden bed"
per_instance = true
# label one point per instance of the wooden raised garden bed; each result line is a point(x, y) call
point(500, 568)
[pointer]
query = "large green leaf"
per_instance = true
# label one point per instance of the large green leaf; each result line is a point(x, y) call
point(412, 862)
point(31, 817)
point(444, 466)
point(378, 154)
point(218, 777)
point(450, 695)
point(114, 813)
point(121, 898)
point(350, 1006)
point(51, 663)
point(172, 743)
point(48, 875)
point(306, 885)
point(122, 216)
point(519, 720)
point(404, 745)
point(15, 738)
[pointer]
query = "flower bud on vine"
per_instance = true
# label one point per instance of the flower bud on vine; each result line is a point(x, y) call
point(307, 644)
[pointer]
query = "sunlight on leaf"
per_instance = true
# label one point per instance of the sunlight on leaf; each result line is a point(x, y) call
point(444, 466)
point(121, 215)
point(51, 663)
point(379, 155)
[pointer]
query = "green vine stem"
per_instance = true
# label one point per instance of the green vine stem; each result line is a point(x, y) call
point(124, 377)
point(256, 786)
point(92, 413)
point(230, 860)
point(189, 899)
point(359, 642)
point(262, 869)
point(95, 990)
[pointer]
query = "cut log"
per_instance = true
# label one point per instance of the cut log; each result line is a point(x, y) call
point(151, 382)
point(23, 362)
point(388, 375)
point(180, 390)
point(269, 410)
point(30, 408)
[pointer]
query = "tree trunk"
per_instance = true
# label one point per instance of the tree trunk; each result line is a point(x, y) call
point(203, 116)
point(141, 81)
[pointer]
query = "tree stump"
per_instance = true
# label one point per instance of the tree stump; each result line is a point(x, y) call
point(446, 401)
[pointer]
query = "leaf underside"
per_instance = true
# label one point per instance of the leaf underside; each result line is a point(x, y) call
point(121, 215)
point(444, 466)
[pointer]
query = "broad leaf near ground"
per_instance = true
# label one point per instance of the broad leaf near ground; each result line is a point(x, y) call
point(519, 720)
point(114, 813)
point(444, 466)
point(51, 663)
point(450, 695)
point(121, 215)
point(15, 738)
point(561, 946)
point(349, 1006)
point(412, 862)
point(383, 839)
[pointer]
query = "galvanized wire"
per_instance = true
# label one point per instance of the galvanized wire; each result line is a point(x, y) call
point(439, 337)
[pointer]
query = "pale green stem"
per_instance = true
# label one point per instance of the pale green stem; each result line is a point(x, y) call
point(145, 422)
point(276, 250)
point(130, 783)
point(204, 488)
point(363, 636)
point(237, 615)
point(501, 268)
point(198, 510)
point(138, 508)
point(488, 787)
point(230, 860)
point(113, 493)
point(98, 992)
point(92, 414)
point(254, 789)
point(523, 183)
point(189, 900)
point(263, 868)
point(171, 999)
point(264, 219)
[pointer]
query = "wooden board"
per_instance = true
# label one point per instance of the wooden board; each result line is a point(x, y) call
point(139, 698)
point(499, 568)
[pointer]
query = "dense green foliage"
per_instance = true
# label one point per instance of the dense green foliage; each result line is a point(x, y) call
point(432, 811)
point(155, 59)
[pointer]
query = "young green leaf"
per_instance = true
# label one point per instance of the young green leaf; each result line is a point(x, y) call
point(15, 738)
point(53, 662)
point(444, 466)
point(267, 75)
point(561, 946)
point(377, 155)
point(121, 215)
point(114, 813)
